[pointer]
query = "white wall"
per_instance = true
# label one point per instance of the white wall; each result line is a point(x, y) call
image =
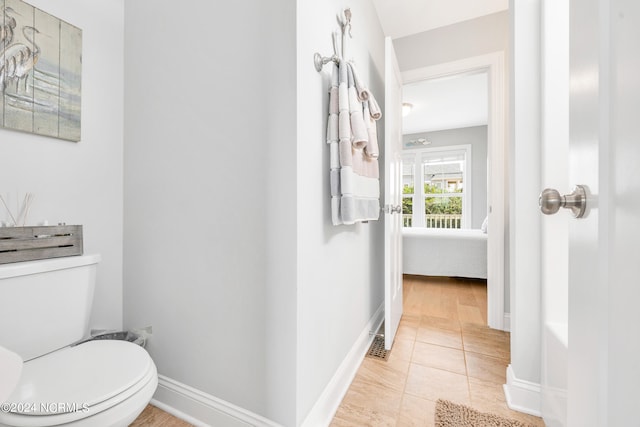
point(278, 21)
point(554, 157)
point(81, 183)
point(210, 196)
point(340, 276)
point(525, 217)
point(554, 242)
point(477, 137)
point(466, 39)
point(254, 297)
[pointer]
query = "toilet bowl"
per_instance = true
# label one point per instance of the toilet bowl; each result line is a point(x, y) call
point(96, 383)
point(84, 385)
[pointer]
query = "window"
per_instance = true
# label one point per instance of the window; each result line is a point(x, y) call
point(443, 194)
point(407, 191)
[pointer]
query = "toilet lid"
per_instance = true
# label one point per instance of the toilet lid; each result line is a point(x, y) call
point(75, 378)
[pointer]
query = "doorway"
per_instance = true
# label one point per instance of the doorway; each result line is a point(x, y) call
point(493, 66)
point(444, 152)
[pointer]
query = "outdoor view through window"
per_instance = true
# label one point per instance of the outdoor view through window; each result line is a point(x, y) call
point(438, 202)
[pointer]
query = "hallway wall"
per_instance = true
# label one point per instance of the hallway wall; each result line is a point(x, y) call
point(340, 268)
point(210, 196)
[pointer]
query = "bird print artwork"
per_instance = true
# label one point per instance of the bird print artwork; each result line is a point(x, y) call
point(18, 60)
point(40, 72)
point(7, 27)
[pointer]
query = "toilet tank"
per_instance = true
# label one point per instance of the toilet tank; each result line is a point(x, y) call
point(45, 305)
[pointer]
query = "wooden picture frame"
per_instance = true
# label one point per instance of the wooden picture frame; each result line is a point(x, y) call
point(40, 72)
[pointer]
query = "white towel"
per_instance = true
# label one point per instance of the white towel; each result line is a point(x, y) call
point(360, 135)
point(352, 140)
point(363, 92)
point(371, 149)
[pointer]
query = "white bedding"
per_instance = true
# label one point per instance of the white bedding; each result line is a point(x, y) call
point(444, 252)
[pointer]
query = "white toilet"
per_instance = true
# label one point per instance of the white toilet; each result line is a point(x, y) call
point(44, 309)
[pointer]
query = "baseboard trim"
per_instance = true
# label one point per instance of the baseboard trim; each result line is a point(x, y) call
point(507, 322)
point(204, 409)
point(176, 413)
point(521, 395)
point(327, 404)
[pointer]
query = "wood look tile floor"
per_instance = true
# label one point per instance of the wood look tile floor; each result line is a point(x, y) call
point(443, 349)
point(153, 416)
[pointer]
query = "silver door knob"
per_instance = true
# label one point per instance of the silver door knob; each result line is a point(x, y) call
point(396, 209)
point(551, 201)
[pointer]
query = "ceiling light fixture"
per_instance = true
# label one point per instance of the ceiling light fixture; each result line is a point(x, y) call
point(418, 141)
point(406, 108)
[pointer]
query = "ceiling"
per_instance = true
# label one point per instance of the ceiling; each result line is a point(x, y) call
point(400, 18)
point(447, 103)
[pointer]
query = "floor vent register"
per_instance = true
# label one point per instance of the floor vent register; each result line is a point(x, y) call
point(377, 350)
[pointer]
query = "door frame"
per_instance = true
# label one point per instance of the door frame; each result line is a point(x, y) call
point(494, 64)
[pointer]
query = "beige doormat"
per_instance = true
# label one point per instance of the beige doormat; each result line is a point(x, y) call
point(449, 414)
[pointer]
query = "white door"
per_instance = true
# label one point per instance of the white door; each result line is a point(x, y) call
point(604, 268)
point(603, 368)
point(392, 196)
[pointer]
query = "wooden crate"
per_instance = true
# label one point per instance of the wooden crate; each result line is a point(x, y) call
point(31, 243)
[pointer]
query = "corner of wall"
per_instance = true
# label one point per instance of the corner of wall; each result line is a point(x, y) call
point(522, 396)
point(327, 404)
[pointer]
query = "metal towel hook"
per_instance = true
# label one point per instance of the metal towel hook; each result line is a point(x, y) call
point(319, 61)
point(346, 22)
point(344, 19)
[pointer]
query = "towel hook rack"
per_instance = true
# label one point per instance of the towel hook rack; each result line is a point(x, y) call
point(319, 61)
point(344, 19)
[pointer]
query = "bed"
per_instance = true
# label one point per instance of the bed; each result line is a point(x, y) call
point(444, 252)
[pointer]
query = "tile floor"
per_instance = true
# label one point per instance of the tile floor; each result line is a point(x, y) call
point(443, 349)
point(153, 416)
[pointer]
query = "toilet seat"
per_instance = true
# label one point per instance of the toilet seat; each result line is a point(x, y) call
point(78, 382)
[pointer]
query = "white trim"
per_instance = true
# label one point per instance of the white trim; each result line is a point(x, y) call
point(494, 63)
point(523, 396)
point(327, 404)
point(205, 410)
point(465, 65)
point(507, 322)
point(178, 414)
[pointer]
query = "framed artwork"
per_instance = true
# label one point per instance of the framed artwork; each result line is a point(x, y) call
point(40, 72)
